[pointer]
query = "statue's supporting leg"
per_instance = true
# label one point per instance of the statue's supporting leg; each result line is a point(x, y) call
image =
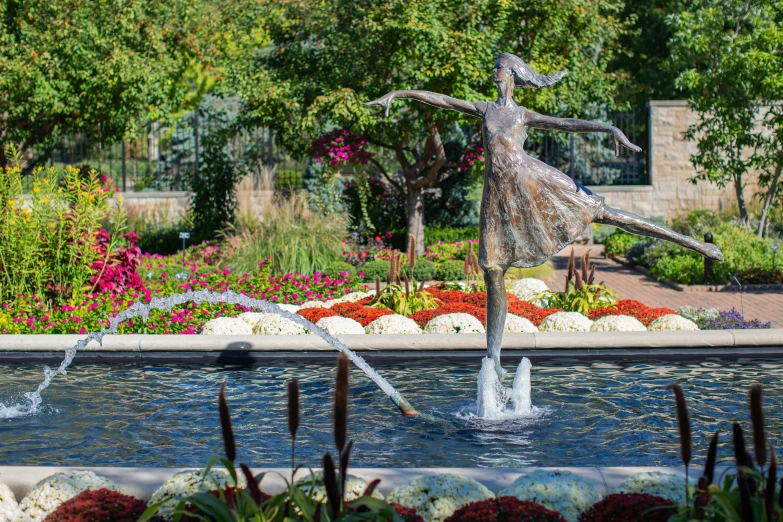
point(497, 307)
point(638, 225)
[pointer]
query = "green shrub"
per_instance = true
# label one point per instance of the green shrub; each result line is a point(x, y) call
point(440, 252)
point(306, 242)
point(601, 232)
point(743, 251)
point(448, 235)
point(450, 271)
point(379, 267)
point(423, 271)
point(619, 243)
point(335, 268)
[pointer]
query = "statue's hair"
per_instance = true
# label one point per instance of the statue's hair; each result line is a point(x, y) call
point(524, 76)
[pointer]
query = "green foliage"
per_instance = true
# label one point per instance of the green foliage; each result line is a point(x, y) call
point(335, 268)
point(404, 302)
point(95, 67)
point(47, 245)
point(580, 299)
point(434, 235)
point(423, 271)
point(743, 251)
point(379, 267)
point(440, 252)
point(294, 236)
point(728, 57)
point(619, 243)
point(544, 272)
point(451, 271)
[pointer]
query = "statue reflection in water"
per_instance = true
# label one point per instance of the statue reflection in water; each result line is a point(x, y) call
point(530, 210)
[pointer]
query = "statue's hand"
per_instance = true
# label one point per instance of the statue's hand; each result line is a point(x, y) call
point(384, 101)
point(620, 139)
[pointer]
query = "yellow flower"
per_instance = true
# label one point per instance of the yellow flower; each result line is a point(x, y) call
point(120, 198)
point(46, 200)
point(11, 203)
point(36, 189)
point(91, 197)
point(27, 220)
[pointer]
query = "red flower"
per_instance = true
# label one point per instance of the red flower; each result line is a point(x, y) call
point(505, 509)
point(629, 507)
point(640, 311)
point(366, 315)
point(315, 314)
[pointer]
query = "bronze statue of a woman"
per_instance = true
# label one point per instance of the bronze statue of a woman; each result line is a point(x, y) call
point(529, 210)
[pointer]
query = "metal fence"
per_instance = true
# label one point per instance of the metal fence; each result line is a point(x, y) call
point(162, 154)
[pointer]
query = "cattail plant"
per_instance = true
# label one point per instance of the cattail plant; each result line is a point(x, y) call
point(769, 488)
point(684, 425)
point(585, 266)
point(225, 424)
point(407, 286)
point(344, 458)
point(331, 485)
point(293, 417)
point(377, 296)
point(757, 421)
point(341, 402)
point(411, 252)
point(570, 273)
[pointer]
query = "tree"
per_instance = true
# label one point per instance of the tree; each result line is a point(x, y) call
point(730, 57)
point(328, 57)
point(100, 68)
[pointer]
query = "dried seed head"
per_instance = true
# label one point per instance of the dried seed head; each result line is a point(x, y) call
point(591, 277)
point(712, 452)
point(585, 265)
point(407, 286)
point(757, 421)
point(341, 401)
point(683, 422)
point(411, 252)
point(225, 424)
point(578, 281)
point(331, 485)
point(740, 455)
point(293, 407)
point(769, 490)
point(368, 491)
point(252, 484)
point(571, 263)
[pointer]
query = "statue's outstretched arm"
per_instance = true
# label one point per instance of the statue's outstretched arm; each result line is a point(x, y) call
point(430, 98)
point(539, 121)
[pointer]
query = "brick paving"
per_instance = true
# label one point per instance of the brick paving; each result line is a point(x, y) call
point(629, 284)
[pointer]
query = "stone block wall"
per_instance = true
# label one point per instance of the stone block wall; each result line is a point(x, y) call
point(670, 192)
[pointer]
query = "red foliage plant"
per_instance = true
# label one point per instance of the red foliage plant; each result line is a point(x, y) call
point(530, 311)
point(346, 309)
point(117, 271)
point(98, 506)
point(406, 513)
point(366, 315)
point(315, 314)
point(629, 507)
point(505, 509)
point(424, 316)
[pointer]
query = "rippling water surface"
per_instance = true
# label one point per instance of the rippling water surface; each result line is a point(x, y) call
point(606, 413)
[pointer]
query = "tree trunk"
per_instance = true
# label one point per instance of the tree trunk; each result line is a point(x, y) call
point(743, 210)
point(416, 216)
point(769, 199)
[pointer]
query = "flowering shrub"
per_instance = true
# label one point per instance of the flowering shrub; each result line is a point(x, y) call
point(672, 322)
point(102, 505)
point(226, 326)
point(9, 508)
point(48, 494)
point(456, 251)
point(505, 509)
point(340, 147)
point(392, 324)
point(561, 491)
point(640, 311)
point(340, 326)
point(732, 319)
point(629, 507)
point(530, 311)
point(186, 483)
point(365, 316)
point(274, 324)
point(666, 485)
point(617, 323)
point(527, 288)
point(313, 486)
point(516, 324)
point(425, 316)
point(316, 314)
point(454, 324)
point(473, 159)
point(435, 497)
point(565, 322)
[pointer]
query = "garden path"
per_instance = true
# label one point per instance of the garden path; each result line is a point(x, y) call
point(629, 284)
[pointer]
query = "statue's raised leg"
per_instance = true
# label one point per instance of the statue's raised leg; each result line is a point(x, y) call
point(497, 307)
point(638, 225)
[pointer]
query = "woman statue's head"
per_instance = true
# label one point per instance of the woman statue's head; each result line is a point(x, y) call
point(511, 68)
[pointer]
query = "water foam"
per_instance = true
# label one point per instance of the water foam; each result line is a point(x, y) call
point(140, 309)
point(493, 398)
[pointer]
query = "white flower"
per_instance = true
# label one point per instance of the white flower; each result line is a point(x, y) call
point(187, 483)
point(617, 323)
point(315, 304)
point(273, 324)
point(436, 497)
point(565, 322)
point(340, 325)
point(672, 322)
point(313, 486)
point(666, 485)
point(557, 490)
point(393, 324)
point(9, 509)
point(698, 314)
point(48, 494)
point(527, 288)
point(289, 307)
point(454, 324)
point(226, 326)
point(351, 298)
point(517, 324)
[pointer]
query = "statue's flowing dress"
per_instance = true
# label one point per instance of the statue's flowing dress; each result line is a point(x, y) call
point(529, 210)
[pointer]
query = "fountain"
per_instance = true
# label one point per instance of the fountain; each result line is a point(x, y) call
point(140, 309)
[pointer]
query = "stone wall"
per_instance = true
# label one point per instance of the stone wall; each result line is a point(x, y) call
point(670, 193)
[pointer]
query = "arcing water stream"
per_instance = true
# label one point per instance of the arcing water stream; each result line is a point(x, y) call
point(139, 309)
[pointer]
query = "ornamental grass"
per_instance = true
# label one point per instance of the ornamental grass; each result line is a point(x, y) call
point(505, 509)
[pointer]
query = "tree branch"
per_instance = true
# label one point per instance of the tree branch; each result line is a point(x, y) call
point(387, 176)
